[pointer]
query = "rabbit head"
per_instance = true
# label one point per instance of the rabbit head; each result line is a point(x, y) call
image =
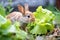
point(27, 15)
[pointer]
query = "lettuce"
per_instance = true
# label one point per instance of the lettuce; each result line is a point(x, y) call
point(43, 21)
point(44, 14)
point(11, 31)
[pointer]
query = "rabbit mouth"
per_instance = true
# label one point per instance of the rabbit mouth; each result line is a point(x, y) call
point(33, 20)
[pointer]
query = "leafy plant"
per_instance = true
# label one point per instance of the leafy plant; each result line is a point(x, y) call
point(8, 9)
point(9, 31)
point(2, 10)
point(43, 21)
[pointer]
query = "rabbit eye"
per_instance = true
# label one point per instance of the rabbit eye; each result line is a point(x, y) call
point(28, 16)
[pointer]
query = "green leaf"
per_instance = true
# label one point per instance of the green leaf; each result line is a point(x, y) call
point(2, 10)
point(2, 20)
point(21, 34)
point(6, 24)
point(49, 27)
point(39, 29)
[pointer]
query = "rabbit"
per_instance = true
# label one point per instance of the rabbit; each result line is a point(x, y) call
point(24, 16)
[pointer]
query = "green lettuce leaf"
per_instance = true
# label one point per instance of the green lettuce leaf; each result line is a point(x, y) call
point(43, 21)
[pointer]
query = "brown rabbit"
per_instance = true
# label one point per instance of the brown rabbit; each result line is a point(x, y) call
point(24, 16)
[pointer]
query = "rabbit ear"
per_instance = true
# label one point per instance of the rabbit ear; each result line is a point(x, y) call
point(21, 9)
point(26, 7)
